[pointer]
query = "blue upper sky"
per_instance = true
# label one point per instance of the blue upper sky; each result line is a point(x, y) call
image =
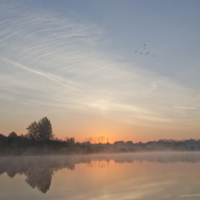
point(131, 67)
point(169, 29)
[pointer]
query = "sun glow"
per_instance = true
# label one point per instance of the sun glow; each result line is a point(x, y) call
point(97, 140)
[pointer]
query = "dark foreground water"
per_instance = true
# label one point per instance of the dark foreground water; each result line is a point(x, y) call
point(139, 176)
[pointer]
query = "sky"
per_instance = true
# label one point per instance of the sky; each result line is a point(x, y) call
point(85, 65)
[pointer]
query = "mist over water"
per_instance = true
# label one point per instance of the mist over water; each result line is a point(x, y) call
point(161, 175)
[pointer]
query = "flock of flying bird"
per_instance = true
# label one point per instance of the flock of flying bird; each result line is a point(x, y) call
point(146, 52)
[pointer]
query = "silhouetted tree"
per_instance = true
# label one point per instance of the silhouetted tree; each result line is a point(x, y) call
point(33, 131)
point(70, 140)
point(41, 130)
point(12, 134)
point(45, 129)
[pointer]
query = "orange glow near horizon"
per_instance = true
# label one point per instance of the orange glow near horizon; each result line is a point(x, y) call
point(102, 130)
point(122, 133)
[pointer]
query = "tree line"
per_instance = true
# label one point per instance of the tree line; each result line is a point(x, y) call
point(39, 131)
point(39, 139)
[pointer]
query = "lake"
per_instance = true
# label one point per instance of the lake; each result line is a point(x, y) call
point(126, 176)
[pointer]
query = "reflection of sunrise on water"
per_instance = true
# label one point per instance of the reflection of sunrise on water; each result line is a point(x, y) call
point(103, 176)
point(139, 180)
point(98, 164)
point(114, 176)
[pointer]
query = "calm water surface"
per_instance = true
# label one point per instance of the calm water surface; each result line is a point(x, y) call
point(141, 176)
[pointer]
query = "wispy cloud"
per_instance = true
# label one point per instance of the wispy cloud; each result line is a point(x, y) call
point(58, 60)
point(186, 108)
point(189, 195)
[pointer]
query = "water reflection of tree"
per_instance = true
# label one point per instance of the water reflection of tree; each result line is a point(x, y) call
point(98, 164)
point(39, 170)
point(39, 177)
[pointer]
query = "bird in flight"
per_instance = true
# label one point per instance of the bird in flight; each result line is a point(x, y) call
point(145, 53)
